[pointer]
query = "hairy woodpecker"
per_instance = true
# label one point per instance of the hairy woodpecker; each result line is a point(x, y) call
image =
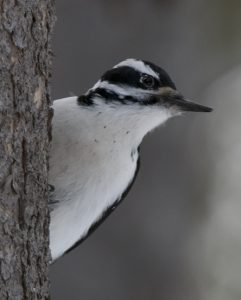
point(94, 157)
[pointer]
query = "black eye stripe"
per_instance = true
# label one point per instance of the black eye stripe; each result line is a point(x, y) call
point(123, 76)
point(128, 76)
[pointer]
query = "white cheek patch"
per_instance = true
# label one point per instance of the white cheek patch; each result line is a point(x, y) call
point(139, 66)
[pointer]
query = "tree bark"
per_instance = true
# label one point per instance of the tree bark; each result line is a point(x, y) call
point(25, 59)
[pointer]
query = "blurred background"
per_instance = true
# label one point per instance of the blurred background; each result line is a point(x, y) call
point(177, 235)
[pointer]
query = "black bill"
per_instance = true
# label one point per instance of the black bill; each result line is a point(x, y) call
point(186, 105)
point(178, 101)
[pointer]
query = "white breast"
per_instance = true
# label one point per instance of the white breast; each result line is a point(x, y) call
point(92, 163)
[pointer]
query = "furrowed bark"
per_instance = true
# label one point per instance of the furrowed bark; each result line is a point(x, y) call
point(25, 60)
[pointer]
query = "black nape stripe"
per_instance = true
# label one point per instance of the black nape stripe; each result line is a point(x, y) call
point(85, 100)
point(110, 209)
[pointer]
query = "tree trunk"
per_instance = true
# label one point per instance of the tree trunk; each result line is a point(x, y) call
point(25, 57)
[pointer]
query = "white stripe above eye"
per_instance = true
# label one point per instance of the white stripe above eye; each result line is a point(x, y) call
point(139, 66)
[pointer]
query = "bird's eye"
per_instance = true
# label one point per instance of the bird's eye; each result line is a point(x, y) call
point(147, 80)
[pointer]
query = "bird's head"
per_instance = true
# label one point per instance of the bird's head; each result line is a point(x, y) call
point(139, 90)
point(140, 83)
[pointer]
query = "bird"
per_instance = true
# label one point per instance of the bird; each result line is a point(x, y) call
point(96, 137)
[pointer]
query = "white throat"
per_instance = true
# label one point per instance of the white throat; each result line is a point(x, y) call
point(127, 124)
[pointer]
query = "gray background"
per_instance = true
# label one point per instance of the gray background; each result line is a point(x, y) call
point(142, 251)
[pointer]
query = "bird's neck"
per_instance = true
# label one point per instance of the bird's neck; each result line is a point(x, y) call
point(122, 127)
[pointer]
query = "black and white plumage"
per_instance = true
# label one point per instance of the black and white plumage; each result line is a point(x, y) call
point(96, 137)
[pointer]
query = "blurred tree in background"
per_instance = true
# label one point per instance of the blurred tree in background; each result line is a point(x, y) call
point(218, 242)
point(168, 240)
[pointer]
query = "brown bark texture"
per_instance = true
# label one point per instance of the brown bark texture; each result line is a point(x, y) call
point(25, 60)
